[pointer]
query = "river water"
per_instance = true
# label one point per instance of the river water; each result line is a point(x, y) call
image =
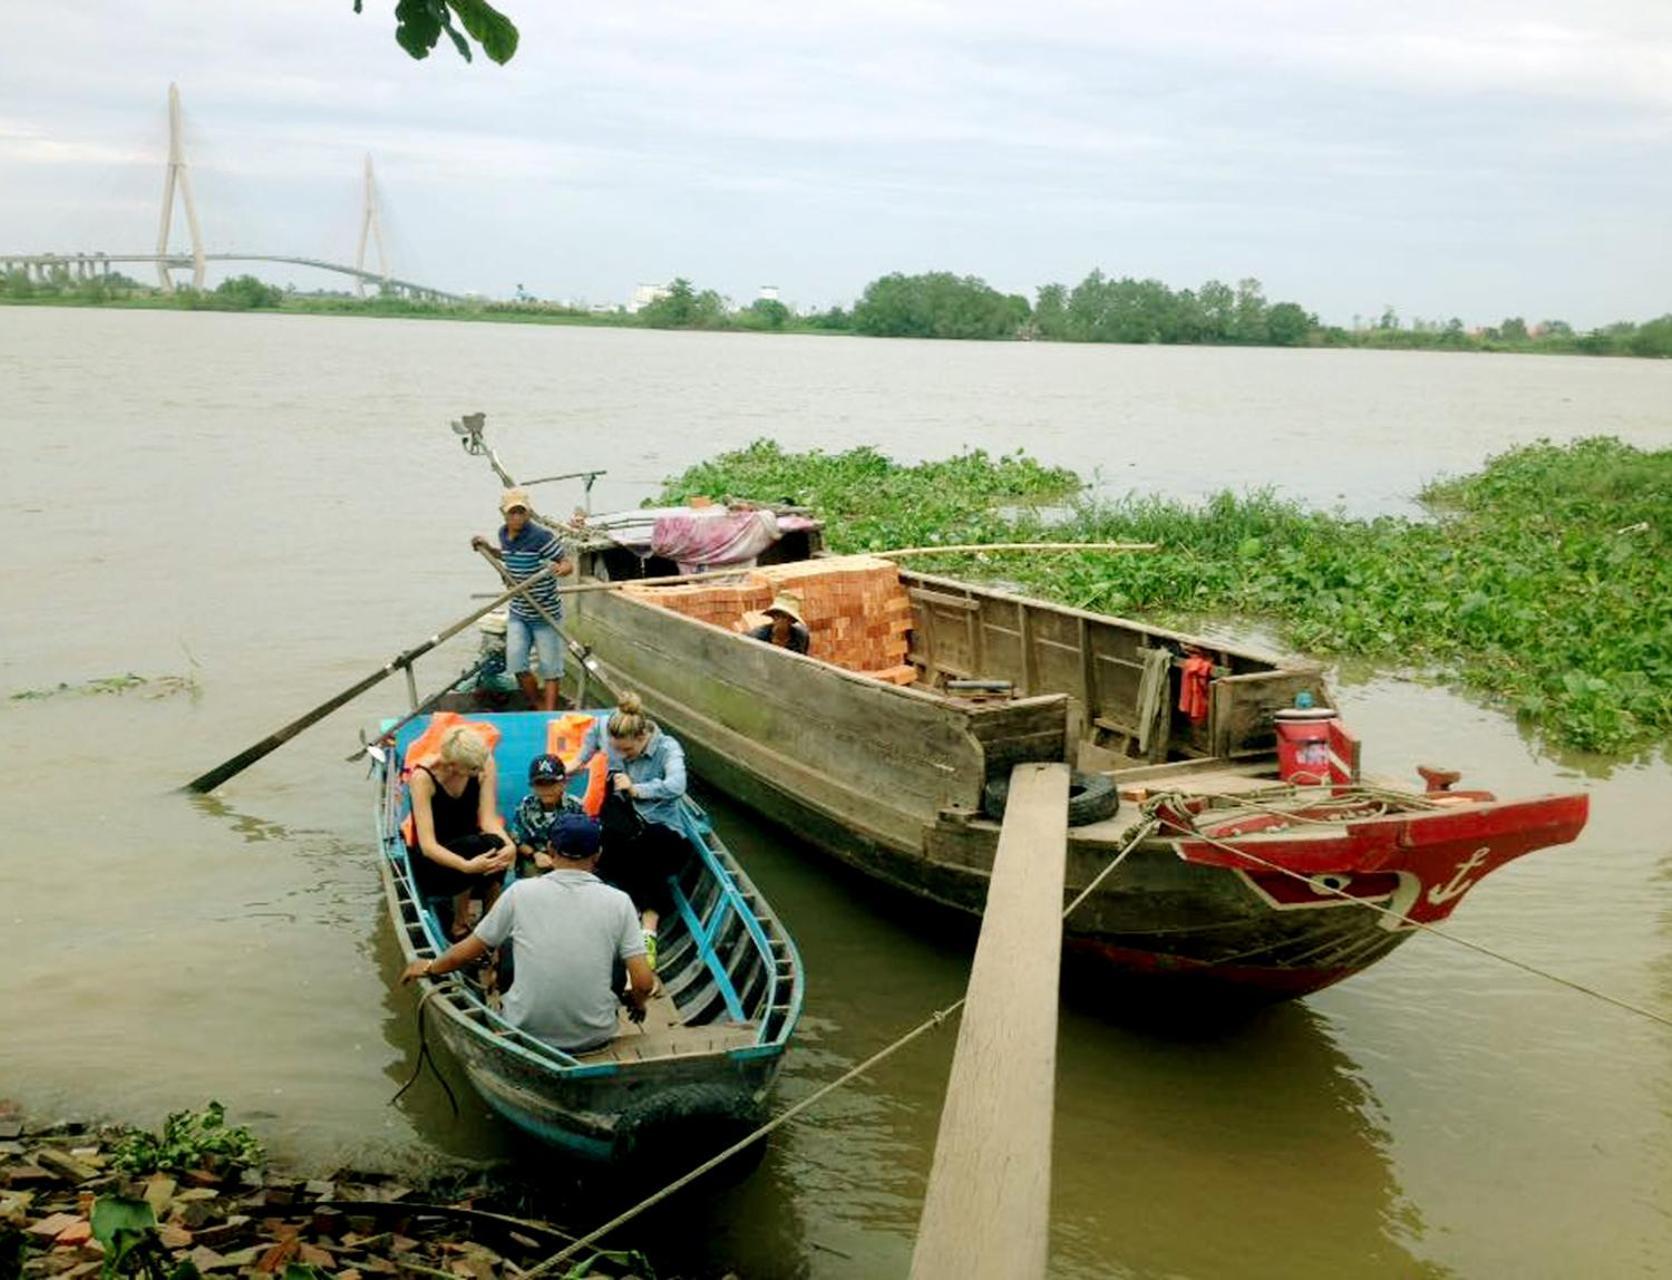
point(275, 505)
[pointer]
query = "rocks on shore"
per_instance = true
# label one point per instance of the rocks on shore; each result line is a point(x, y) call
point(248, 1224)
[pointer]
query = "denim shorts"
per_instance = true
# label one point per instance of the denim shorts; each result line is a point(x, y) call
point(520, 633)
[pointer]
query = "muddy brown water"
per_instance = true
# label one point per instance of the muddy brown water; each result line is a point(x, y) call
point(275, 505)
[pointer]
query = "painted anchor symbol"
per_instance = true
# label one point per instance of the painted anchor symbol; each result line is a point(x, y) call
point(1459, 883)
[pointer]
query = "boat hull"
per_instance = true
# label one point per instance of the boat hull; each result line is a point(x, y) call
point(889, 782)
point(730, 972)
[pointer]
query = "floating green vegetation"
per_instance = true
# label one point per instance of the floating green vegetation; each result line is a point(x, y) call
point(1544, 579)
point(148, 686)
point(872, 503)
point(189, 1140)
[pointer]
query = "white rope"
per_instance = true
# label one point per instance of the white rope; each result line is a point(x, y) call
point(934, 1020)
point(1139, 834)
point(1319, 886)
point(789, 1113)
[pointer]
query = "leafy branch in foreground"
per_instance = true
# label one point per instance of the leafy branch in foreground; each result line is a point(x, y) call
point(1545, 578)
point(420, 24)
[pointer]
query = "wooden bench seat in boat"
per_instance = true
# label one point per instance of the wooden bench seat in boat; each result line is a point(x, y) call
point(662, 1035)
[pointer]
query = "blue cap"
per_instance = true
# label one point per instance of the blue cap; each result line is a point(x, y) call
point(575, 836)
point(546, 768)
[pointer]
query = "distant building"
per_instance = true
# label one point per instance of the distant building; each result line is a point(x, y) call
point(645, 294)
point(768, 293)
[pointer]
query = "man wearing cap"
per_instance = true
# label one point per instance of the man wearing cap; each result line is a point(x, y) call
point(786, 628)
point(568, 931)
point(525, 548)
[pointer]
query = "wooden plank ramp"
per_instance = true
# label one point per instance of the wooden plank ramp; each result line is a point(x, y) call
point(987, 1212)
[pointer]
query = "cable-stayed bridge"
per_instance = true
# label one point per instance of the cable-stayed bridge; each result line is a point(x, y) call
point(48, 267)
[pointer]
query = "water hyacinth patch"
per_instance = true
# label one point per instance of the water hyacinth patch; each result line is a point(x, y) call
point(1544, 579)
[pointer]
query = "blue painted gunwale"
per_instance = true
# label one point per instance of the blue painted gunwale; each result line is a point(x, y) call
point(539, 1088)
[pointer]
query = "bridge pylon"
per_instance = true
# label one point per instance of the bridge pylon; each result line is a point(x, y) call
point(369, 225)
point(178, 177)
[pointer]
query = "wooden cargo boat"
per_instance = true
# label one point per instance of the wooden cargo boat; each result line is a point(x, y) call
point(1251, 880)
point(695, 1074)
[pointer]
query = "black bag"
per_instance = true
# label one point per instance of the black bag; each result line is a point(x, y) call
point(620, 820)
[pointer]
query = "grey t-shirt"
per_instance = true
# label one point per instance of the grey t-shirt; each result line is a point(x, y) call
point(567, 929)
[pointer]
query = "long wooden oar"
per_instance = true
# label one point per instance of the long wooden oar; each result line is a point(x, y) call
point(273, 741)
point(423, 708)
point(581, 652)
point(968, 547)
point(622, 584)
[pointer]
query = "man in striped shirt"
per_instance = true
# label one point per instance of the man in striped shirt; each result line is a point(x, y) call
point(525, 548)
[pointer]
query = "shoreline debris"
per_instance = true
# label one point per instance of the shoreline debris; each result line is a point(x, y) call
point(77, 1201)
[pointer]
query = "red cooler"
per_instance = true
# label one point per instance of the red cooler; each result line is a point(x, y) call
point(1303, 744)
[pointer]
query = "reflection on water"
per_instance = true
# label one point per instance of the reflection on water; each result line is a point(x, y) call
point(1269, 1130)
point(1263, 1127)
point(1436, 1113)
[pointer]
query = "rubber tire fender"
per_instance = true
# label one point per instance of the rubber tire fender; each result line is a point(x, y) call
point(1092, 797)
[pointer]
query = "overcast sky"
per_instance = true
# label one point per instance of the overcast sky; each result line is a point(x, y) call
point(1477, 158)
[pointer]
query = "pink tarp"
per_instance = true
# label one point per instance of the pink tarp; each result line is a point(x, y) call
point(704, 538)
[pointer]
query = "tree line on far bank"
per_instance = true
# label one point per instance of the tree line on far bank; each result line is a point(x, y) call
point(1102, 309)
point(939, 304)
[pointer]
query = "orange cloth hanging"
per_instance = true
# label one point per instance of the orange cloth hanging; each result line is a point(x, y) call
point(1193, 688)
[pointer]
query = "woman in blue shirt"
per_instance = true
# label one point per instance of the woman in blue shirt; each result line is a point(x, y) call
point(643, 845)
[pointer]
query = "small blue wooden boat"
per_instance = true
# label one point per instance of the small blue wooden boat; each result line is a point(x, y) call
point(694, 1075)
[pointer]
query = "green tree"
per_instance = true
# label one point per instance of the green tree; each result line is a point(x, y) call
point(835, 319)
point(1050, 312)
point(684, 308)
point(1217, 305)
point(1652, 339)
point(768, 313)
point(1513, 329)
point(1288, 324)
point(1249, 323)
point(242, 293)
point(938, 304)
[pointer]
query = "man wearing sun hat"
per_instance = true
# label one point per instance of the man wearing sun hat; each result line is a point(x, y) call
point(526, 548)
point(570, 936)
point(785, 627)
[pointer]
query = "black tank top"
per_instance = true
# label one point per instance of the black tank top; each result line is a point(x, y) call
point(454, 817)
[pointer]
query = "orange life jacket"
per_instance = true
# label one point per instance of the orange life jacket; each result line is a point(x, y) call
point(427, 745)
point(565, 736)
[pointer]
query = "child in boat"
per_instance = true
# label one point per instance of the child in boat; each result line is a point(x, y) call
point(537, 814)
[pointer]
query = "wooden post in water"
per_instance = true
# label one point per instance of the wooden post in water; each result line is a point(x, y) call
point(987, 1214)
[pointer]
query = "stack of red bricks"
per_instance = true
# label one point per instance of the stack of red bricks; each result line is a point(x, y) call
point(720, 602)
point(856, 611)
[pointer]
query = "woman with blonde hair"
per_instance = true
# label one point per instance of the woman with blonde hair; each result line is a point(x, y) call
point(643, 843)
point(462, 849)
